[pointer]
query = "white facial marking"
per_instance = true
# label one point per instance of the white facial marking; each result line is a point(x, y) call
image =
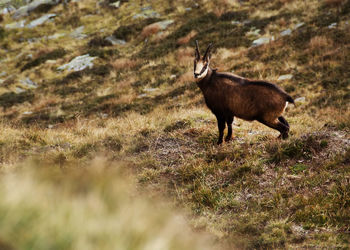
point(199, 68)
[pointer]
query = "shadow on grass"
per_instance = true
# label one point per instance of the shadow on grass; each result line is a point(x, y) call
point(10, 99)
point(55, 54)
point(93, 105)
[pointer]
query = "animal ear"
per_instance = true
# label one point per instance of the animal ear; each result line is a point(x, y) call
point(207, 53)
point(197, 54)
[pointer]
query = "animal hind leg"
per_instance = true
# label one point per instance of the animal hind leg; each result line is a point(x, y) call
point(229, 129)
point(278, 125)
point(283, 120)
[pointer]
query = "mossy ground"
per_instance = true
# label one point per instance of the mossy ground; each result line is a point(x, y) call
point(140, 105)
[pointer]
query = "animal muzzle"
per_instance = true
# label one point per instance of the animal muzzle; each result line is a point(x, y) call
point(196, 75)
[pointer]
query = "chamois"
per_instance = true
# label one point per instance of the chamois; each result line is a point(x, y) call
point(228, 95)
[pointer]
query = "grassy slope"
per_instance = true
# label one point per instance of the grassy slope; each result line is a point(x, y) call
point(255, 191)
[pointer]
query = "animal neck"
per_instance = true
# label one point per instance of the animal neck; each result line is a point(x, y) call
point(205, 81)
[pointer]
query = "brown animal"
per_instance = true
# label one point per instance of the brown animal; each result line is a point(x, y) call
point(228, 95)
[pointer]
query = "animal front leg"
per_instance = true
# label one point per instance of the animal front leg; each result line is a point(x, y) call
point(229, 129)
point(221, 127)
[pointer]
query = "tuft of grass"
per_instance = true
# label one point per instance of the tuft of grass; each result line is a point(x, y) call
point(275, 235)
point(84, 150)
point(73, 21)
point(112, 143)
point(304, 147)
point(298, 168)
point(181, 124)
point(329, 209)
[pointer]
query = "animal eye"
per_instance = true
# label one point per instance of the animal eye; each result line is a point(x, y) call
point(204, 68)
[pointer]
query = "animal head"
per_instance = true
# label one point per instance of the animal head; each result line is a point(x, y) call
point(201, 65)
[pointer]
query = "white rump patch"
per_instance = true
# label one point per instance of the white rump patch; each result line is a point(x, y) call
point(285, 106)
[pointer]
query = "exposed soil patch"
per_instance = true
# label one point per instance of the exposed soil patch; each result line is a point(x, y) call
point(173, 151)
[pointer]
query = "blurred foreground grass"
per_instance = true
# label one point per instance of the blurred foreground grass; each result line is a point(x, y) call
point(94, 208)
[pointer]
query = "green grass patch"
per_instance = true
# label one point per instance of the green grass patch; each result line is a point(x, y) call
point(2, 33)
point(299, 148)
point(298, 168)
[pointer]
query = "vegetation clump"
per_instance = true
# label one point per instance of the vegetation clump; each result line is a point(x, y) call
point(9, 99)
point(130, 31)
point(99, 42)
point(102, 53)
point(305, 147)
point(53, 55)
point(2, 33)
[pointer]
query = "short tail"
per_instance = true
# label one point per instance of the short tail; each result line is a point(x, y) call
point(290, 99)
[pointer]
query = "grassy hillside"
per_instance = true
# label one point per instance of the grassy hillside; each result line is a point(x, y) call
point(138, 104)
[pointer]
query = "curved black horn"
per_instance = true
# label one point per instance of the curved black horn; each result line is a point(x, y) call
point(197, 51)
point(207, 51)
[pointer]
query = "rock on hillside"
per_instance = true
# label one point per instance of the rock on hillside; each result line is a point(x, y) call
point(35, 5)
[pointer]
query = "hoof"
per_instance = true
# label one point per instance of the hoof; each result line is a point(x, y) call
point(227, 139)
point(219, 142)
point(283, 136)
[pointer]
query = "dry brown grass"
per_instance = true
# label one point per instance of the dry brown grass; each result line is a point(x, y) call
point(41, 52)
point(219, 7)
point(282, 22)
point(187, 38)
point(321, 45)
point(186, 78)
point(46, 102)
point(184, 56)
point(123, 85)
point(124, 63)
point(161, 36)
point(319, 42)
point(150, 30)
